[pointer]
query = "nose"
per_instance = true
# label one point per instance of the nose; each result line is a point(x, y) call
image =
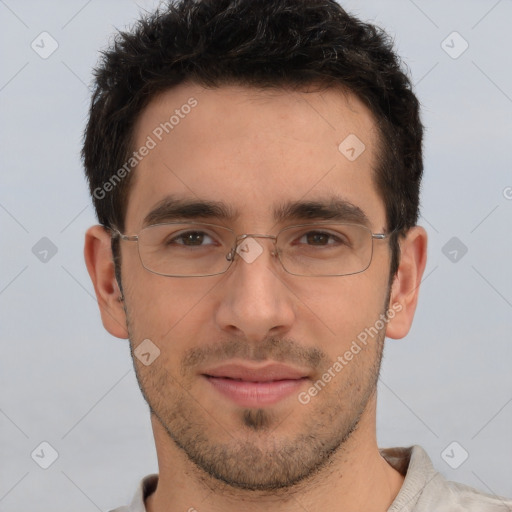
point(255, 301)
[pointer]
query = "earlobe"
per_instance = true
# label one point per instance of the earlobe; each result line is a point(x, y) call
point(100, 265)
point(406, 284)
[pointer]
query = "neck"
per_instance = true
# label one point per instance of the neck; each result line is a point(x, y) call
point(357, 478)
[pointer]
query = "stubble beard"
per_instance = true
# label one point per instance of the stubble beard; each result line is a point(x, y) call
point(257, 456)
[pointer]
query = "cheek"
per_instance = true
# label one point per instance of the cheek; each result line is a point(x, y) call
point(168, 311)
point(343, 308)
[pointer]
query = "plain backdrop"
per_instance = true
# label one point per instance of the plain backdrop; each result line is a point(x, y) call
point(66, 382)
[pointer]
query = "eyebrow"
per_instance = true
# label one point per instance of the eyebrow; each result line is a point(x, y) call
point(334, 208)
point(172, 208)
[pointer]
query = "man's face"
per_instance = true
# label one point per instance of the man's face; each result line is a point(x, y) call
point(256, 152)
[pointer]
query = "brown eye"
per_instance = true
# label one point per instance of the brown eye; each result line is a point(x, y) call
point(191, 239)
point(319, 238)
point(314, 238)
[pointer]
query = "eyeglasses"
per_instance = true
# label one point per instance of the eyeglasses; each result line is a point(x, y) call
point(192, 249)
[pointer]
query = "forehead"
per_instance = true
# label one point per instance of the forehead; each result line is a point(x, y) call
point(255, 150)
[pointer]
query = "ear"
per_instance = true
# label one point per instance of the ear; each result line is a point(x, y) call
point(100, 265)
point(406, 284)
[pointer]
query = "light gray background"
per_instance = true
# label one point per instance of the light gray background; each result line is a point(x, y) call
point(65, 381)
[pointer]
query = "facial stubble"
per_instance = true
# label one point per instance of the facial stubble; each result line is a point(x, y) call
point(258, 455)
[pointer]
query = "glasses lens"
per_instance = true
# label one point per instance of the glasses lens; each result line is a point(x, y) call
point(325, 249)
point(185, 249)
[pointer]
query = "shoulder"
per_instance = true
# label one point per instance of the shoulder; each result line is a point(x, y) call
point(426, 490)
point(445, 495)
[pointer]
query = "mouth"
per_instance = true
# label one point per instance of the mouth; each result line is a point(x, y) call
point(261, 386)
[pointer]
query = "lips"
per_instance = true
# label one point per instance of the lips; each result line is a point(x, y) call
point(250, 386)
point(268, 373)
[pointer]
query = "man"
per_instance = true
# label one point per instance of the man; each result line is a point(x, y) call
point(255, 167)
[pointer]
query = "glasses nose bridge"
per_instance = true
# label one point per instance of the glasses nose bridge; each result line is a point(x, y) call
point(240, 239)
